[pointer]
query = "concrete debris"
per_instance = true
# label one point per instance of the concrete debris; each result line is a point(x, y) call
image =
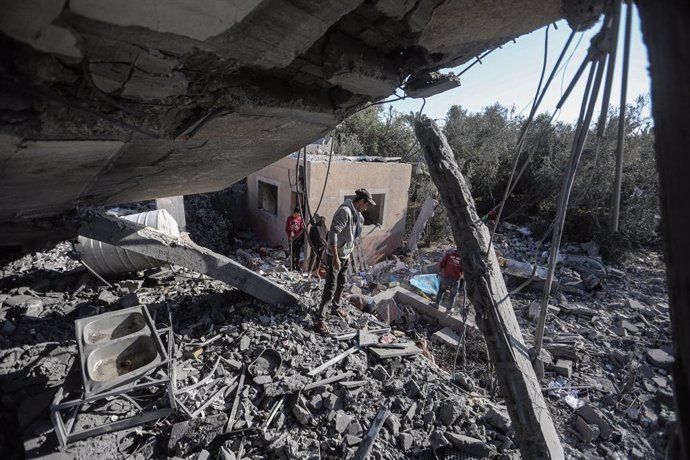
point(604, 406)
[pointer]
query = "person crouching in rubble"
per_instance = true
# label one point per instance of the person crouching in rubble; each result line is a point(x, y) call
point(451, 277)
point(345, 229)
point(294, 227)
point(318, 233)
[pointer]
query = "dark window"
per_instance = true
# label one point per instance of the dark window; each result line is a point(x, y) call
point(373, 215)
point(268, 197)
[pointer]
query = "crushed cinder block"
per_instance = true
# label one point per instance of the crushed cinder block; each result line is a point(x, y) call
point(563, 367)
point(588, 432)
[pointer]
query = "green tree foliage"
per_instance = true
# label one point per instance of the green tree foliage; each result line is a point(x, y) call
point(375, 132)
point(484, 145)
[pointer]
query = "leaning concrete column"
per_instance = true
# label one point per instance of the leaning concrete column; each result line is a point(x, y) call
point(496, 319)
point(179, 251)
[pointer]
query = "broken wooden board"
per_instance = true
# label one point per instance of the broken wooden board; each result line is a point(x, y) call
point(332, 361)
point(534, 428)
point(373, 431)
point(180, 251)
point(386, 353)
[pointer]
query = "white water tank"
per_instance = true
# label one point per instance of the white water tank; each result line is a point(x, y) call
point(106, 259)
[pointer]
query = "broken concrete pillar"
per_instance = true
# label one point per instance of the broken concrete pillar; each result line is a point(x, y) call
point(179, 251)
point(534, 429)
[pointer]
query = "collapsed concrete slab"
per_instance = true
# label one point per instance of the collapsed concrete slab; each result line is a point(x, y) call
point(127, 99)
point(141, 240)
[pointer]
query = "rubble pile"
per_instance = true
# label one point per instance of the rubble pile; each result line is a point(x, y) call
point(317, 399)
point(608, 349)
point(208, 220)
point(254, 380)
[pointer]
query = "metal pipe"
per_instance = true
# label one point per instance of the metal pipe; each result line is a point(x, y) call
point(615, 212)
point(592, 90)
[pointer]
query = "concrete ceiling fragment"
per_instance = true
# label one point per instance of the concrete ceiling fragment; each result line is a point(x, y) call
point(109, 101)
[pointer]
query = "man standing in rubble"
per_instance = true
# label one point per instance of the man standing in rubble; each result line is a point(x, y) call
point(294, 228)
point(345, 229)
point(451, 277)
point(318, 233)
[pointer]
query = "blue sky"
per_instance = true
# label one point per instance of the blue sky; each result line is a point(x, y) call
point(510, 75)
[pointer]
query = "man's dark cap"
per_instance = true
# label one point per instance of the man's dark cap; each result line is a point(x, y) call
point(363, 193)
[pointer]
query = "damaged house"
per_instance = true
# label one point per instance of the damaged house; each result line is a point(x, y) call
point(320, 186)
point(104, 103)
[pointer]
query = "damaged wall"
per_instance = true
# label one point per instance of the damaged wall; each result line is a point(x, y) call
point(387, 181)
point(105, 102)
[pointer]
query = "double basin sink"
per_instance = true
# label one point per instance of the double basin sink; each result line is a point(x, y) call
point(118, 347)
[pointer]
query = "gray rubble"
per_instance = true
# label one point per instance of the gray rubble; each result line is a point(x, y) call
point(610, 393)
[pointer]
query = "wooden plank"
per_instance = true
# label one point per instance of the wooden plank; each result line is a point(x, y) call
point(324, 382)
point(180, 251)
point(534, 428)
point(332, 361)
point(368, 441)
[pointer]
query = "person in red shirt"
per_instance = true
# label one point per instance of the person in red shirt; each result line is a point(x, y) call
point(294, 228)
point(451, 276)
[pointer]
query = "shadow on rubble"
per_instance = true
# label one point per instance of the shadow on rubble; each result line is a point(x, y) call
point(42, 350)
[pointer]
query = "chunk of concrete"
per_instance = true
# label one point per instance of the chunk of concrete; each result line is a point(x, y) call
point(564, 367)
point(405, 441)
point(449, 412)
point(393, 424)
point(446, 336)
point(342, 421)
point(471, 446)
point(660, 358)
point(498, 419)
point(430, 83)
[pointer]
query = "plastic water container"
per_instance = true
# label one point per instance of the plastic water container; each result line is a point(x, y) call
point(107, 260)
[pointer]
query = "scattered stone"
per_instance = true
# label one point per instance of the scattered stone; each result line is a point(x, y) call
point(498, 419)
point(660, 358)
point(186, 437)
point(245, 342)
point(449, 412)
point(302, 415)
point(405, 441)
point(469, 445)
point(564, 367)
point(351, 440)
point(380, 373)
point(342, 421)
point(393, 424)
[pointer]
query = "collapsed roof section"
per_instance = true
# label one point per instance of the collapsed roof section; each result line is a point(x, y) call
point(104, 102)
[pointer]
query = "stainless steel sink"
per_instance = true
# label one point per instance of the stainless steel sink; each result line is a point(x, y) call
point(120, 358)
point(114, 327)
point(117, 348)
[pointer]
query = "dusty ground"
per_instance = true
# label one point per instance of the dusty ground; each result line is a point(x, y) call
point(608, 340)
